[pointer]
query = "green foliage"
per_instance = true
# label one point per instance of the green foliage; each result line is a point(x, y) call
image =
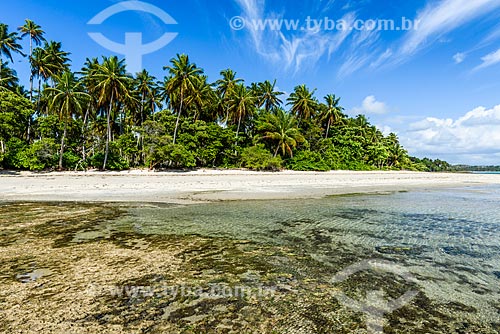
point(14, 114)
point(172, 156)
point(13, 153)
point(103, 117)
point(115, 162)
point(40, 155)
point(258, 158)
point(308, 161)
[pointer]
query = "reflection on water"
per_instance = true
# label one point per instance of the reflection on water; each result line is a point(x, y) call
point(449, 241)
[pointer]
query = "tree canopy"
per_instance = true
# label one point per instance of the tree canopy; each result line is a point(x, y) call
point(107, 118)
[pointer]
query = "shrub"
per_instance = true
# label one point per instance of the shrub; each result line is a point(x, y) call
point(258, 158)
point(308, 161)
point(40, 155)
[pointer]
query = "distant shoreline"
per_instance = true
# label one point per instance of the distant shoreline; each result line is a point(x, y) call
point(218, 185)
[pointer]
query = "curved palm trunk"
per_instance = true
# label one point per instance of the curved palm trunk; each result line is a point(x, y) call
point(276, 150)
point(108, 137)
point(328, 129)
point(178, 116)
point(61, 151)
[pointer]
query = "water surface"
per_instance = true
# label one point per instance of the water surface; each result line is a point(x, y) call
point(448, 241)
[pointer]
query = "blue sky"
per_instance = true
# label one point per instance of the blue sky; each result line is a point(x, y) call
point(437, 86)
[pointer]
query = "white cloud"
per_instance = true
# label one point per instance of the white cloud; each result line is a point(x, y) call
point(489, 60)
point(473, 138)
point(291, 50)
point(459, 57)
point(438, 19)
point(370, 105)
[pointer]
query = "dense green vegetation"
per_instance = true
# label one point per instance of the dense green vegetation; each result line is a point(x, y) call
point(103, 117)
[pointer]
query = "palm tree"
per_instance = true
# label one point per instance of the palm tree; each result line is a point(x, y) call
point(225, 87)
point(241, 105)
point(67, 97)
point(56, 58)
point(112, 85)
point(268, 96)
point(303, 102)
point(396, 151)
point(8, 78)
point(144, 85)
point(281, 129)
point(332, 112)
point(201, 98)
point(8, 43)
point(48, 62)
point(182, 80)
point(35, 33)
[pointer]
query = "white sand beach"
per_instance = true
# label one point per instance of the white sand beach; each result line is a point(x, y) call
point(217, 185)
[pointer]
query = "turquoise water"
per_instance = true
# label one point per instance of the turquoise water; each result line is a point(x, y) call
point(486, 172)
point(448, 241)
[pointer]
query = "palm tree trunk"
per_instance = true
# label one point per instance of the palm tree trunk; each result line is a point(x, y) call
point(238, 129)
point(31, 69)
point(237, 133)
point(142, 108)
point(327, 129)
point(61, 151)
point(39, 93)
point(227, 116)
point(276, 151)
point(31, 87)
point(84, 137)
point(108, 137)
point(178, 116)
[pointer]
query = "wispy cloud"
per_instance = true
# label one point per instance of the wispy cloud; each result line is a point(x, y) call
point(293, 50)
point(438, 19)
point(363, 48)
point(489, 60)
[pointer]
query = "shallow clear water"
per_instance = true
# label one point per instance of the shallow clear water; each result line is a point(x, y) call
point(442, 245)
point(448, 239)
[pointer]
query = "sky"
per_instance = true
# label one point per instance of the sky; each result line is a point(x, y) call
point(436, 84)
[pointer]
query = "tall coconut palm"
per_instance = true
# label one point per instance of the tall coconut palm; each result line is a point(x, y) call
point(8, 43)
point(268, 96)
point(57, 59)
point(224, 87)
point(144, 85)
point(182, 80)
point(67, 99)
point(241, 105)
point(332, 112)
point(280, 128)
point(87, 72)
point(35, 33)
point(303, 103)
point(112, 84)
point(48, 62)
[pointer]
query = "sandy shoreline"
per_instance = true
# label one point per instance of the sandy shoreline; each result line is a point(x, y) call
point(217, 185)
